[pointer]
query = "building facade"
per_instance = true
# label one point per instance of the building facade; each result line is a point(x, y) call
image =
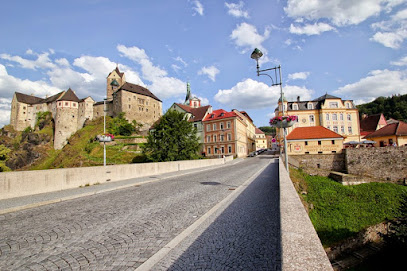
point(70, 113)
point(261, 140)
point(393, 134)
point(333, 113)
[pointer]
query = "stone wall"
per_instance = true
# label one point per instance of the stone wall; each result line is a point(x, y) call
point(319, 164)
point(386, 164)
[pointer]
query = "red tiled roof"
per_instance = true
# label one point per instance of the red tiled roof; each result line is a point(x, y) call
point(314, 132)
point(258, 131)
point(369, 123)
point(219, 114)
point(198, 113)
point(398, 129)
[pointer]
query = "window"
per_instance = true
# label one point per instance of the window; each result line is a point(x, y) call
point(229, 149)
point(214, 138)
point(223, 149)
point(209, 150)
point(341, 116)
point(208, 127)
point(229, 137)
point(295, 106)
point(342, 129)
point(222, 138)
point(349, 129)
point(333, 104)
point(208, 139)
point(228, 125)
point(66, 103)
point(334, 117)
point(195, 124)
point(348, 105)
point(333, 142)
point(349, 117)
point(310, 106)
point(319, 142)
point(327, 116)
point(306, 143)
point(214, 126)
point(335, 128)
point(221, 125)
point(311, 118)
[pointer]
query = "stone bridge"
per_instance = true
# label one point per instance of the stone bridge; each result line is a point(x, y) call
point(219, 214)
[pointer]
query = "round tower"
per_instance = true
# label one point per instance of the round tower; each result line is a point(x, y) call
point(66, 118)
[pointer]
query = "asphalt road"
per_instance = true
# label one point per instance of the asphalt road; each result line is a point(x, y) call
point(122, 229)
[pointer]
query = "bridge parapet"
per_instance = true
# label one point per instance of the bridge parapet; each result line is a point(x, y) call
point(301, 248)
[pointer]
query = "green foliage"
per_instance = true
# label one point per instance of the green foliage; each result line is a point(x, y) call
point(4, 156)
point(397, 236)
point(120, 126)
point(342, 211)
point(173, 139)
point(27, 130)
point(42, 115)
point(268, 130)
point(392, 107)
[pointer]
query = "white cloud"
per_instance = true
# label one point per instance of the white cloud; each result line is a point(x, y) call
point(311, 29)
point(339, 12)
point(377, 83)
point(42, 61)
point(210, 71)
point(401, 62)
point(236, 10)
point(246, 36)
point(252, 94)
point(198, 7)
point(162, 85)
point(298, 76)
point(390, 39)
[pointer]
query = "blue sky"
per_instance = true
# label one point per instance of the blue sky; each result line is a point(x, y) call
point(352, 49)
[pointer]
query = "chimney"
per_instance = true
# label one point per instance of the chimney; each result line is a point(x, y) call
point(298, 98)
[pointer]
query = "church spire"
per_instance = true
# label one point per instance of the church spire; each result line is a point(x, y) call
point(188, 97)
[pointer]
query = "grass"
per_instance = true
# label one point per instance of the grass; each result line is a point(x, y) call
point(339, 212)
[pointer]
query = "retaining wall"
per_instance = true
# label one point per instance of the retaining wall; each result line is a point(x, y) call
point(24, 183)
point(300, 245)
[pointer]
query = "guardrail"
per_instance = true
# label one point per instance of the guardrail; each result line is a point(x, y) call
point(301, 248)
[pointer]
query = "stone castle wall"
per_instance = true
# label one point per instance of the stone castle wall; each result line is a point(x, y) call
point(66, 124)
point(386, 164)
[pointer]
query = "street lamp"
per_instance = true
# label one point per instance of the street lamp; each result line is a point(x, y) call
point(256, 55)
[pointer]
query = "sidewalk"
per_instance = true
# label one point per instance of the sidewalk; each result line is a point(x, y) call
point(21, 203)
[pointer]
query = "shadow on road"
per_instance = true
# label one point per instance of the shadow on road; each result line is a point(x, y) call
point(245, 236)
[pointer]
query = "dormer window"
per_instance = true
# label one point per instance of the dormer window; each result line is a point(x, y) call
point(295, 106)
point(222, 114)
point(310, 106)
point(333, 105)
point(212, 116)
point(348, 105)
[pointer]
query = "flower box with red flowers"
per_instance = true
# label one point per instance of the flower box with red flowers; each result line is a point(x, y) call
point(283, 121)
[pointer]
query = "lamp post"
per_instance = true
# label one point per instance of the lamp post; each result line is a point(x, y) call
point(104, 131)
point(256, 55)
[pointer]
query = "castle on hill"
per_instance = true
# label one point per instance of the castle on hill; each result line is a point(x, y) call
point(70, 113)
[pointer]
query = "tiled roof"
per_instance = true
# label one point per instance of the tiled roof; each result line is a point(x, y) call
point(118, 72)
point(316, 103)
point(324, 97)
point(369, 123)
point(313, 132)
point(69, 96)
point(398, 129)
point(138, 90)
point(198, 113)
point(258, 131)
point(219, 114)
point(27, 99)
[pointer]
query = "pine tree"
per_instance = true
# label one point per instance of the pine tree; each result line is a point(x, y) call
point(172, 139)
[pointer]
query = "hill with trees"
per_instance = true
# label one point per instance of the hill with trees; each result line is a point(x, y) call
point(392, 107)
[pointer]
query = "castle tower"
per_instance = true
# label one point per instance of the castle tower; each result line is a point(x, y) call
point(115, 80)
point(66, 118)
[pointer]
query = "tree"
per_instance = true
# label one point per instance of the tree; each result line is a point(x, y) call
point(268, 130)
point(4, 151)
point(120, 126)
point(172, 139)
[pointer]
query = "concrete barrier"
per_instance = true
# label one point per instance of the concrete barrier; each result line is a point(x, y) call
point(24, 183)
point(301, 248)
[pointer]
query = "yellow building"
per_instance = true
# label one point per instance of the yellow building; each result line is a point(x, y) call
point(333, 113)
point(394, 133)
point(261, 140)
point(313, 140)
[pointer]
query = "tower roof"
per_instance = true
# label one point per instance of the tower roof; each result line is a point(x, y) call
point(138, 90)
point(69, 96)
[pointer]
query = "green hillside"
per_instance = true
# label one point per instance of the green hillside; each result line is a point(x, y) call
point(392, 107)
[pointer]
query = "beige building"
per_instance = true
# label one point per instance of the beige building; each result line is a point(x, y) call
point(389, 135)
point(70, 113)
point(313, 140)
point(261, 140)
point(333, 113)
